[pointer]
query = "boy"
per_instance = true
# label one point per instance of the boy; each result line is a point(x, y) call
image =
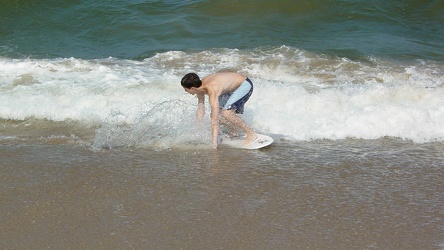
point(227, 93)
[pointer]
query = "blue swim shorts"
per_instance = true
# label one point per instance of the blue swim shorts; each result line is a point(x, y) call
point(237, 99)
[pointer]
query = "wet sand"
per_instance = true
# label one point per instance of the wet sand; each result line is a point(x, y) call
point(352, 194)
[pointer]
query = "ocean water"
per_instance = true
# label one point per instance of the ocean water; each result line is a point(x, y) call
point(351, 91)
point(408, 29)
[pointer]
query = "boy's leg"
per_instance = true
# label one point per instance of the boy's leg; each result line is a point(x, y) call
point(231, 117)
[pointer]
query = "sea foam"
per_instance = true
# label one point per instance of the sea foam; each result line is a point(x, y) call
point(297, 94)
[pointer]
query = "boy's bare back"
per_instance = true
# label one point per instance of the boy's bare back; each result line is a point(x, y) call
point(223, 82)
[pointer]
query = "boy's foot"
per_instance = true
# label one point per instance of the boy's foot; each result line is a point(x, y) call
point(250, 139)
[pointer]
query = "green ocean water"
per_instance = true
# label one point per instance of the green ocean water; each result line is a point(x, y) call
point(410, 29)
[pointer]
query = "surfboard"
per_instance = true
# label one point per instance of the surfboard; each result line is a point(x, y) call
point(260, 142)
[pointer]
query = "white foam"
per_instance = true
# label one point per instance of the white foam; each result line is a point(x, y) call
point(76, 89)
point(299, 95)
point(369, 112)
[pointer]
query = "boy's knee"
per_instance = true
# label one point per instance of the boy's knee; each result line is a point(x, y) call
point(227, 113)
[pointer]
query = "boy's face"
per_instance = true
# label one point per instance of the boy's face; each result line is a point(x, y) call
point(190, 91)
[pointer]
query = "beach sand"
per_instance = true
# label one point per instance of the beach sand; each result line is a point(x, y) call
point(347, 194)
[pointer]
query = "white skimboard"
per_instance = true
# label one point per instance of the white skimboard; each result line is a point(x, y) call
point(260, 142)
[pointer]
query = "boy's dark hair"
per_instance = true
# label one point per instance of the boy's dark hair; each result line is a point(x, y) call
point(191, 80)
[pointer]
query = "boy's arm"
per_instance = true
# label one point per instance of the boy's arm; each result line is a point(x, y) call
point(214, 103)
point(200, 107)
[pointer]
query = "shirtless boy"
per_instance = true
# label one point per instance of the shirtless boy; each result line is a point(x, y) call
point(227, 93)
